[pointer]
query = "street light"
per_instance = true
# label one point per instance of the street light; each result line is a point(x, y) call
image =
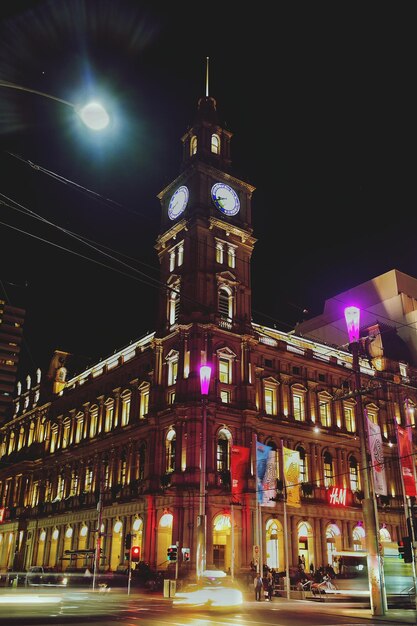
point(205, 374)
point(92, 114)
point(375, 575)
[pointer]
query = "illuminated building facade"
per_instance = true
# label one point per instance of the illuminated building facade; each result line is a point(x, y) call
point(128, 431)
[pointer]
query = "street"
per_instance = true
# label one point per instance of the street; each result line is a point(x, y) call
point(83, 607)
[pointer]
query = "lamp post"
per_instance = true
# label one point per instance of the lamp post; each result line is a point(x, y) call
point(92, 114)
point(205, 374)
point(375, 576)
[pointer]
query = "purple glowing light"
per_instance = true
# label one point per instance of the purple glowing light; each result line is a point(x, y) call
point(205, 374)
point(352, 315)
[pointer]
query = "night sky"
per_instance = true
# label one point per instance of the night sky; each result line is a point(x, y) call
point(319, 97)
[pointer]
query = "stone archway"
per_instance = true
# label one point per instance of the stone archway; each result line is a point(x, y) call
point(274, 544)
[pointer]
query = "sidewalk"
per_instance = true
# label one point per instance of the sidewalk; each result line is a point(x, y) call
point(348, 609)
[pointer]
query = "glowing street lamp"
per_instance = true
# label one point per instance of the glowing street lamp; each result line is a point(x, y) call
point(205, 375)
point(93, 114)
point(369, 509)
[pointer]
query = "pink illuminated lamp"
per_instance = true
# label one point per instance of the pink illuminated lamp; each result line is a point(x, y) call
point(352, 315)
point(205, 374)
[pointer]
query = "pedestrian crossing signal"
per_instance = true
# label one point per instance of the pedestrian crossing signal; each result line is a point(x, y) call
point(172, 553)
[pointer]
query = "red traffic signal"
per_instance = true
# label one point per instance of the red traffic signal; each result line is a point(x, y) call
point(135, 554)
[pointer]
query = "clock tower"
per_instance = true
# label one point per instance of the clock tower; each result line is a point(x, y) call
point(206, 243)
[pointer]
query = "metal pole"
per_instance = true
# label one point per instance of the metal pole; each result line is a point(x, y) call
point(368, 503)
point(232, 519)
point(201, 526)
point(286, 538)
point(129, 571)
point(407, 508)
point(97, 553)
point(177, 543)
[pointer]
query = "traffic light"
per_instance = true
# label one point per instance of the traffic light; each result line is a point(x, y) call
point(135, 554)
point(186, 554)
point(407, 550)
point(128, 541)
point(172, 553)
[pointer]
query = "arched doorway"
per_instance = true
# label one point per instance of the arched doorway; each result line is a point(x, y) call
point(358, 535)
point(333, 542)
point(275, 545)
point(305, 544)
point(222, 545)
point(116, 546)
point(164, 539)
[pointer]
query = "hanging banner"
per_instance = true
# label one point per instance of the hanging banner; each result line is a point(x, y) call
point(406, 461)
point(377, 457)
point(269, 483)
point(262, 453)
point(292, 476)
point(239, 465)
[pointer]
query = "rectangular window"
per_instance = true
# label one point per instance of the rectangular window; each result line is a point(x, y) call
point(325, 416)
point(144, 403)
point(225, 396)
point(224, 371)
point(172, 372)
point(270, 400)
point(353, 477)
point(298, 407)
point(349, 414)
point(219, 252)
point(328, 474)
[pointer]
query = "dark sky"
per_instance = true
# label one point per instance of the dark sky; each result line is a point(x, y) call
point(319, 96)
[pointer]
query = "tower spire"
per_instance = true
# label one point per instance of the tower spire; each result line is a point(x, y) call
point(207, 77)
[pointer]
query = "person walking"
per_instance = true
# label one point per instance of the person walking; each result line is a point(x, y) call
point(258, 586)
point(270, 585)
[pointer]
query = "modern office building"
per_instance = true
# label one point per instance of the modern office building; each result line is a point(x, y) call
point(121, 447)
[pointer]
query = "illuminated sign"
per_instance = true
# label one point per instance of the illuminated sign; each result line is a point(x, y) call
point(337, 496)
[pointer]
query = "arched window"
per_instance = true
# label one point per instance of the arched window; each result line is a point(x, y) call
point(215, 144)
point(328, 469)
point(353, 473)
point(170, 446)
point(224, 439)
point(173, 303)
point(193, 145)
point(225, 302)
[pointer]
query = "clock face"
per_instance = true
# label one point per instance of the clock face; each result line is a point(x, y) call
point(178, 202)
point(225, 198)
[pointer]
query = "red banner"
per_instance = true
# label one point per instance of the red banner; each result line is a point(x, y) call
point(406, 461)
point(239, 464)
